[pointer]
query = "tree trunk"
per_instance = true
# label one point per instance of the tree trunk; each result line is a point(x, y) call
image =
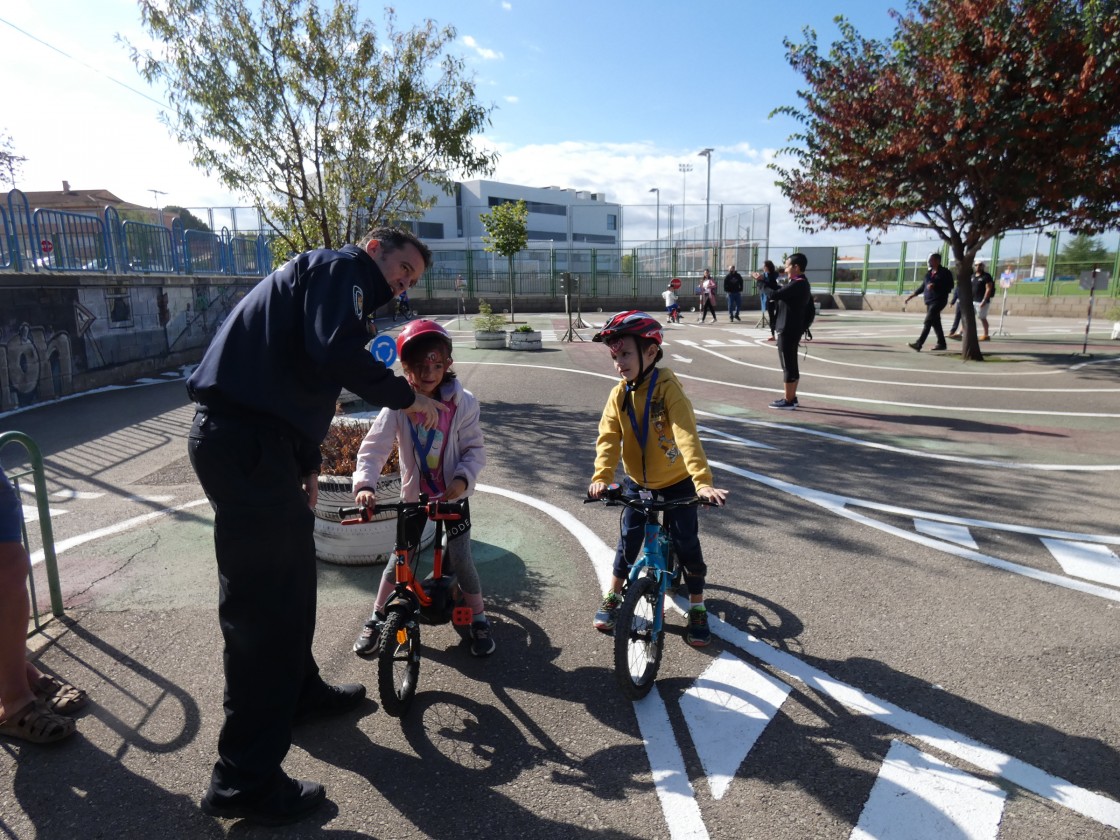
point(512, 319)
point(970, 345)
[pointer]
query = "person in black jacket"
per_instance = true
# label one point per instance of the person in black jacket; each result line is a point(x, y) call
point(791, 300)
point(733, 287)
point(935, 290)
point(266, 390)
point(767, 280)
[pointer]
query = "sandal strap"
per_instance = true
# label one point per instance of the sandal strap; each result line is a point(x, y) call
point(59, 696)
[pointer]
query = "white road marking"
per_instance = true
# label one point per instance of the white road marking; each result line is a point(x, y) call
point(885, 447)
point(670, 777)
point(839, 505)
point(726, 709)
point(1047, 786)
point(68, 495)
point(677, 358)
point(715, 435)
point(1090, 561)
point(31, 513)
point(949, 532)
point(917, 797)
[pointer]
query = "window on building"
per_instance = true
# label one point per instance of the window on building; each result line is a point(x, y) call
point(429, 230)
point(612, 221)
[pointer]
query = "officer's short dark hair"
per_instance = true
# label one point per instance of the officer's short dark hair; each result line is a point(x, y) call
point(392, 239)
point(799, 260)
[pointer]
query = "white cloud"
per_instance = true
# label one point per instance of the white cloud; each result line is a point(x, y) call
point(484, 53)
point(507, 6)
point(513, 100)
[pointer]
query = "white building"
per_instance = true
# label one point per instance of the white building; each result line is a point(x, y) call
point(562, 217)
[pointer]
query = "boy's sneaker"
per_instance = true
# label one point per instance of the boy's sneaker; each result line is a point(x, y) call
point(366, 643)
point(784, 404)
point(482, 643)
point(604, 618)
point(698, 634)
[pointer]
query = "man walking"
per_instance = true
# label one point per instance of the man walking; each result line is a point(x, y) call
point(935, 290)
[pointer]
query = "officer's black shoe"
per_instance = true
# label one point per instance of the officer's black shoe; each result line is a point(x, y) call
point(328, 701)
point(286, 802)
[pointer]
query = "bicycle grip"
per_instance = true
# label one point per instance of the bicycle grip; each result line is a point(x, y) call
point(354, 515)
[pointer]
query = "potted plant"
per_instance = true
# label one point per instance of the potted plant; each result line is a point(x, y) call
point(488, 328)
point(525, 338)
point(354, 545)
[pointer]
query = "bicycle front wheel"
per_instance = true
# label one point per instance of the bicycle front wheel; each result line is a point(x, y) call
point(637, 647)
point(398, 662)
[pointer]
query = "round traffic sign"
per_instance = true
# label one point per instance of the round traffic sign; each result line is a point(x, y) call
point(675, 282)
point(384, 349)
point(47, 246)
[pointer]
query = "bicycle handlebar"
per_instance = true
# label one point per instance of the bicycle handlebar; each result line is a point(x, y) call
point(433, 510)
point(613, 497)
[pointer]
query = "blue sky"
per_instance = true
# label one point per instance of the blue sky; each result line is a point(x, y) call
point(604, 96)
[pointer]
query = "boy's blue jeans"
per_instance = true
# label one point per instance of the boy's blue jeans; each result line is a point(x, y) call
point(683, 526)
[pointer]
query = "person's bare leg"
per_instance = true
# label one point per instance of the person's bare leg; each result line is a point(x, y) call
point(15, 609)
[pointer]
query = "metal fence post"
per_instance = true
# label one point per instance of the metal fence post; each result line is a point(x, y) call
point(50, 560)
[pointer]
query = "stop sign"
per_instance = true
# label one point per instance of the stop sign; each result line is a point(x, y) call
point(675, 282)
point(47, 246)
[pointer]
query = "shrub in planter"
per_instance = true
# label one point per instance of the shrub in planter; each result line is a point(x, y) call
point(489, 332)
point(525, 338)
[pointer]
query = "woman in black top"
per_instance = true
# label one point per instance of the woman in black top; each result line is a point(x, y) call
point(789, 323)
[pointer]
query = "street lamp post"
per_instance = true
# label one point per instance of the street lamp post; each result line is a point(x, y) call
point(657, 236)
point(685, 168)
point(707, 153)
point(155, 201)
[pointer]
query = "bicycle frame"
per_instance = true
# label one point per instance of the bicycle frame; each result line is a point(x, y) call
point(654, 556)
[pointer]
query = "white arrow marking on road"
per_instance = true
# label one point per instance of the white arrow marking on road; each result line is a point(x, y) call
point(68, 495)
point(916, 797)
point(1086, 560)
point(677, 358)
point(958, 534)
point(726, 709)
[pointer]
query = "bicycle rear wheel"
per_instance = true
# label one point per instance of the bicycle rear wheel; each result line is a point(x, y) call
point(398, 662)
point(637, 648)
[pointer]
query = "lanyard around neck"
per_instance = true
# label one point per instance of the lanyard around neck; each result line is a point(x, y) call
point(642, 434)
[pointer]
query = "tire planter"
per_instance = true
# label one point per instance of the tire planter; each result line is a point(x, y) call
point(490, 340)
point(525, 340)
point(368, 544)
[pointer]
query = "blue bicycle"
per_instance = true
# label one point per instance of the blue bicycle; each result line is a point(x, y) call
point(640, 620)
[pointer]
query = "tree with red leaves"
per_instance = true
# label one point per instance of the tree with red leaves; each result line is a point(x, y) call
point(977, 117)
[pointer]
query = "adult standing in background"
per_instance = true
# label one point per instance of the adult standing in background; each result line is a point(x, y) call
point(707, 296)
point(791, 300)
point(935, 289)
point(767, 280)
point(983, 290)
point(733, 288)
point(266, 391)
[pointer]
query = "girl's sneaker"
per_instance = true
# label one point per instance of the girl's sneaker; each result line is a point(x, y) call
point(482, 643)
point(366, 643)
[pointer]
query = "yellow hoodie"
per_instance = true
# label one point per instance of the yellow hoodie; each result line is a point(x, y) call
point(672, 451)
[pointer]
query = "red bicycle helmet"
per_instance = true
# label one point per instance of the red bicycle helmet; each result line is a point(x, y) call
point(414, 329)
point(634, 322)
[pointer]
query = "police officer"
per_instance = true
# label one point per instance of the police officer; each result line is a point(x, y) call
point(266, 390)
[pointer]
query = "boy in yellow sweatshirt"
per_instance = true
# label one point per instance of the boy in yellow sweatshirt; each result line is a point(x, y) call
point(649, 425)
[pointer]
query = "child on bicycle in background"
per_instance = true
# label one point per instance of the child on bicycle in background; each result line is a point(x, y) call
point(444, 463)
point(649, 425)
point(672, 304)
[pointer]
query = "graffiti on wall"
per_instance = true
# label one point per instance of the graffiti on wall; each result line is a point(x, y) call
point(35, 365)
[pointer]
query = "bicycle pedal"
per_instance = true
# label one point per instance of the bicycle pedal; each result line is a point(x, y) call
point(462, 616)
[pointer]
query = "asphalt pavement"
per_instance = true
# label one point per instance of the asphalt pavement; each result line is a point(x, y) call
point(914, 587)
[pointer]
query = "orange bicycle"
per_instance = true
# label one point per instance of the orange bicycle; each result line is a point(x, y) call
point(432, 600)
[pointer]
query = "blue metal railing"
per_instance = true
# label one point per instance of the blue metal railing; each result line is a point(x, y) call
point(62, 240)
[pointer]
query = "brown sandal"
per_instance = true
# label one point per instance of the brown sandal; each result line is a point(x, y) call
point(38, 724)
point(59, 696)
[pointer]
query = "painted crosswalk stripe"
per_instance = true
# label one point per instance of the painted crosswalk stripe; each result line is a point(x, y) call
point(726, 709)
point(916, 797)
point(947, 531)
point(670, 778)
point(1085, 560)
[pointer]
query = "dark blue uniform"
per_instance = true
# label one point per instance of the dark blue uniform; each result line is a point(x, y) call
point(266, 391)
point(935, 290)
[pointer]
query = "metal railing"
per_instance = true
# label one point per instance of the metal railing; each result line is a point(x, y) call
point(50, 561)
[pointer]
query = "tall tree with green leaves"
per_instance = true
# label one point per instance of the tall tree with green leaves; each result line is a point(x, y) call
point(1084, 253)
point(977, 117)
point(320, 120)
point(507, 234)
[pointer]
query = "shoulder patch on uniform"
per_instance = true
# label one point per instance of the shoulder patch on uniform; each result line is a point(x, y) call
point(358, 301)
